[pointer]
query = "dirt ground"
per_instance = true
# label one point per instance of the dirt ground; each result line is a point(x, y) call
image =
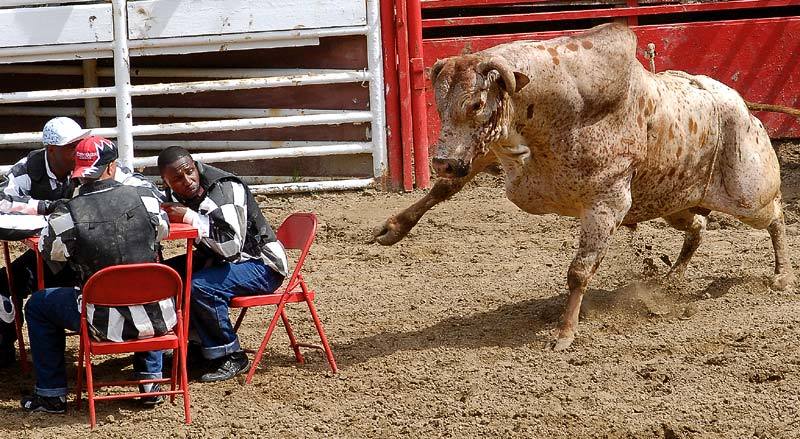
point(444, 335)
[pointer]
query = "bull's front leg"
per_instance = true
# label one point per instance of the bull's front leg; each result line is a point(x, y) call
point(397, 226)
point(597, 225)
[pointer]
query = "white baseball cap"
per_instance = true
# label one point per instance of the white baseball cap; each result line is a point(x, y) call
point(62, 131)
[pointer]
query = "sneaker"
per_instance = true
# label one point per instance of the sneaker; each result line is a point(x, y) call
point(47, 404)
point(227, 367)
point(150, 401)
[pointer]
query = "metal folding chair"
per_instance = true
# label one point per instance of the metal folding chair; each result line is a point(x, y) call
point(297, 232)
point(126, 285)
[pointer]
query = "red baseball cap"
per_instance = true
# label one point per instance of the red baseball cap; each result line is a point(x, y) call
point(92, 155)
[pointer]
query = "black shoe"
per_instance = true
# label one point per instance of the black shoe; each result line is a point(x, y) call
point(227, 368)
point(47, 404)
point(154, 400)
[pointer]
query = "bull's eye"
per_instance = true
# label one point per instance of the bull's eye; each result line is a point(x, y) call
point(476, 107)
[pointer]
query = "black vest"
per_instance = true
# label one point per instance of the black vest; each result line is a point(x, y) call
point(112, 227)
point(40, 181)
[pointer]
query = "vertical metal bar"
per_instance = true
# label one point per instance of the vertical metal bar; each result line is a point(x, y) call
point(392, 97)
point(122, 82)
point(419, 109)
point(91, 106)
point(376, 98)
point(634, 20)
point(406, 118)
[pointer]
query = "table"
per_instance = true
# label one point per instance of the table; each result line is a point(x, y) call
point(176, 231)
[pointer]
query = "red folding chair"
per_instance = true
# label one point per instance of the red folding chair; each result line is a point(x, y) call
point(126, 285)
point(296, 233)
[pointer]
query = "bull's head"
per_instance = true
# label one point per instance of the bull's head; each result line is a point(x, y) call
point(473, 97)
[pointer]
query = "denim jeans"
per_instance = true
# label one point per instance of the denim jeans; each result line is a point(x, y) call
point(23, 270)
point(49, 313)
point(213, 287)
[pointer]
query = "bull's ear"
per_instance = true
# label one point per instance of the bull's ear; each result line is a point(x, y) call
point(436, 69)
point(522, 80)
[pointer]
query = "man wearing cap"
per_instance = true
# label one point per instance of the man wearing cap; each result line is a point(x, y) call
point(106, 223)
point(32, 187)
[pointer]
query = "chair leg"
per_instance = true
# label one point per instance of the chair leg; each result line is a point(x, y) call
point(293, 341)
point(242, 312)
point(260, 352)
point(79, 378)
point(90, 387)
point(187, 415)
point(23, 356)
point(176, 359)
point(321, 331)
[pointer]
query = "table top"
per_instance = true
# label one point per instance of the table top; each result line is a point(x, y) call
point(181, 231)
point(176, 231)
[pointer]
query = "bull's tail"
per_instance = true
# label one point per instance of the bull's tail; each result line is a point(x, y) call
point(756, 106)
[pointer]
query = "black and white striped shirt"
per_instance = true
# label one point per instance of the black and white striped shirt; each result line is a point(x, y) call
point(58, 244)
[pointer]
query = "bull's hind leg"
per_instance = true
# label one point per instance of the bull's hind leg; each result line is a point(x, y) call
point(694, 224)
point(771, 218)
point(597, 225)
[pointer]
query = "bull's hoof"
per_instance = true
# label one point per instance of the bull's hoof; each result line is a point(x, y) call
point(781, 282)
point(388, 233)
point(562, 341)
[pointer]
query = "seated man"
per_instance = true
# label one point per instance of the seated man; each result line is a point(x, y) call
point(31, 187)
point(236, 254)
point(106, 224)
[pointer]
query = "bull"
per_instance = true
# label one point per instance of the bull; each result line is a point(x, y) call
point(581, 129)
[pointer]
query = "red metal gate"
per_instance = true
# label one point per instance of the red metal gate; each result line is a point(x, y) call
point(750, 45)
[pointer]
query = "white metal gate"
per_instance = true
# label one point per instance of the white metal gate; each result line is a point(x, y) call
point(92, 30)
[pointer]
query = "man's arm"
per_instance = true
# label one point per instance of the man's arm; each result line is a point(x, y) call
point(157, 216)
point(15, 192)
point(57, 242)
point(221, 220)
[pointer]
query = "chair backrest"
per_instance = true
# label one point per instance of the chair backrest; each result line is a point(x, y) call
point(297, 232)
point(132, 284)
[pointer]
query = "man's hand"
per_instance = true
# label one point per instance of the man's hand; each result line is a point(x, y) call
point(175, 211)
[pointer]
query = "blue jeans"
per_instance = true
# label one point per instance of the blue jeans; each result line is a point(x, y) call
point(49, 313)
point(213, 287)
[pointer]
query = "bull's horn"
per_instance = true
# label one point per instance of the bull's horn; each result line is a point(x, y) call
point(513, 81)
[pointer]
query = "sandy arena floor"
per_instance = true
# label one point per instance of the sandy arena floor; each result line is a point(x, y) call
point(444, 334)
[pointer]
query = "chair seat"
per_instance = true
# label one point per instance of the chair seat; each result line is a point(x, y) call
point(166, 341)
point(269, 299)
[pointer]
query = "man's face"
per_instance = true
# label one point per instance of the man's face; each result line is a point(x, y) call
point(182, 177)
point(63, 157)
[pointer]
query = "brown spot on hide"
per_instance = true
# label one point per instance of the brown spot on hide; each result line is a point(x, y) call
point(556, 61)
point(540, 47)
point(553, 52)
point(671, 172)
point(692, 126)
point(650, 106)
point(641, 102)
point(671, 133)
point(572, 46)
point(587, 44)
point(678, 152)
point(640, 121)
point(530, 111)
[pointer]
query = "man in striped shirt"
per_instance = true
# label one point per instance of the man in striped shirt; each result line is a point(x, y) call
point(31, 190)
point(106, 224)
point(237, 253)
